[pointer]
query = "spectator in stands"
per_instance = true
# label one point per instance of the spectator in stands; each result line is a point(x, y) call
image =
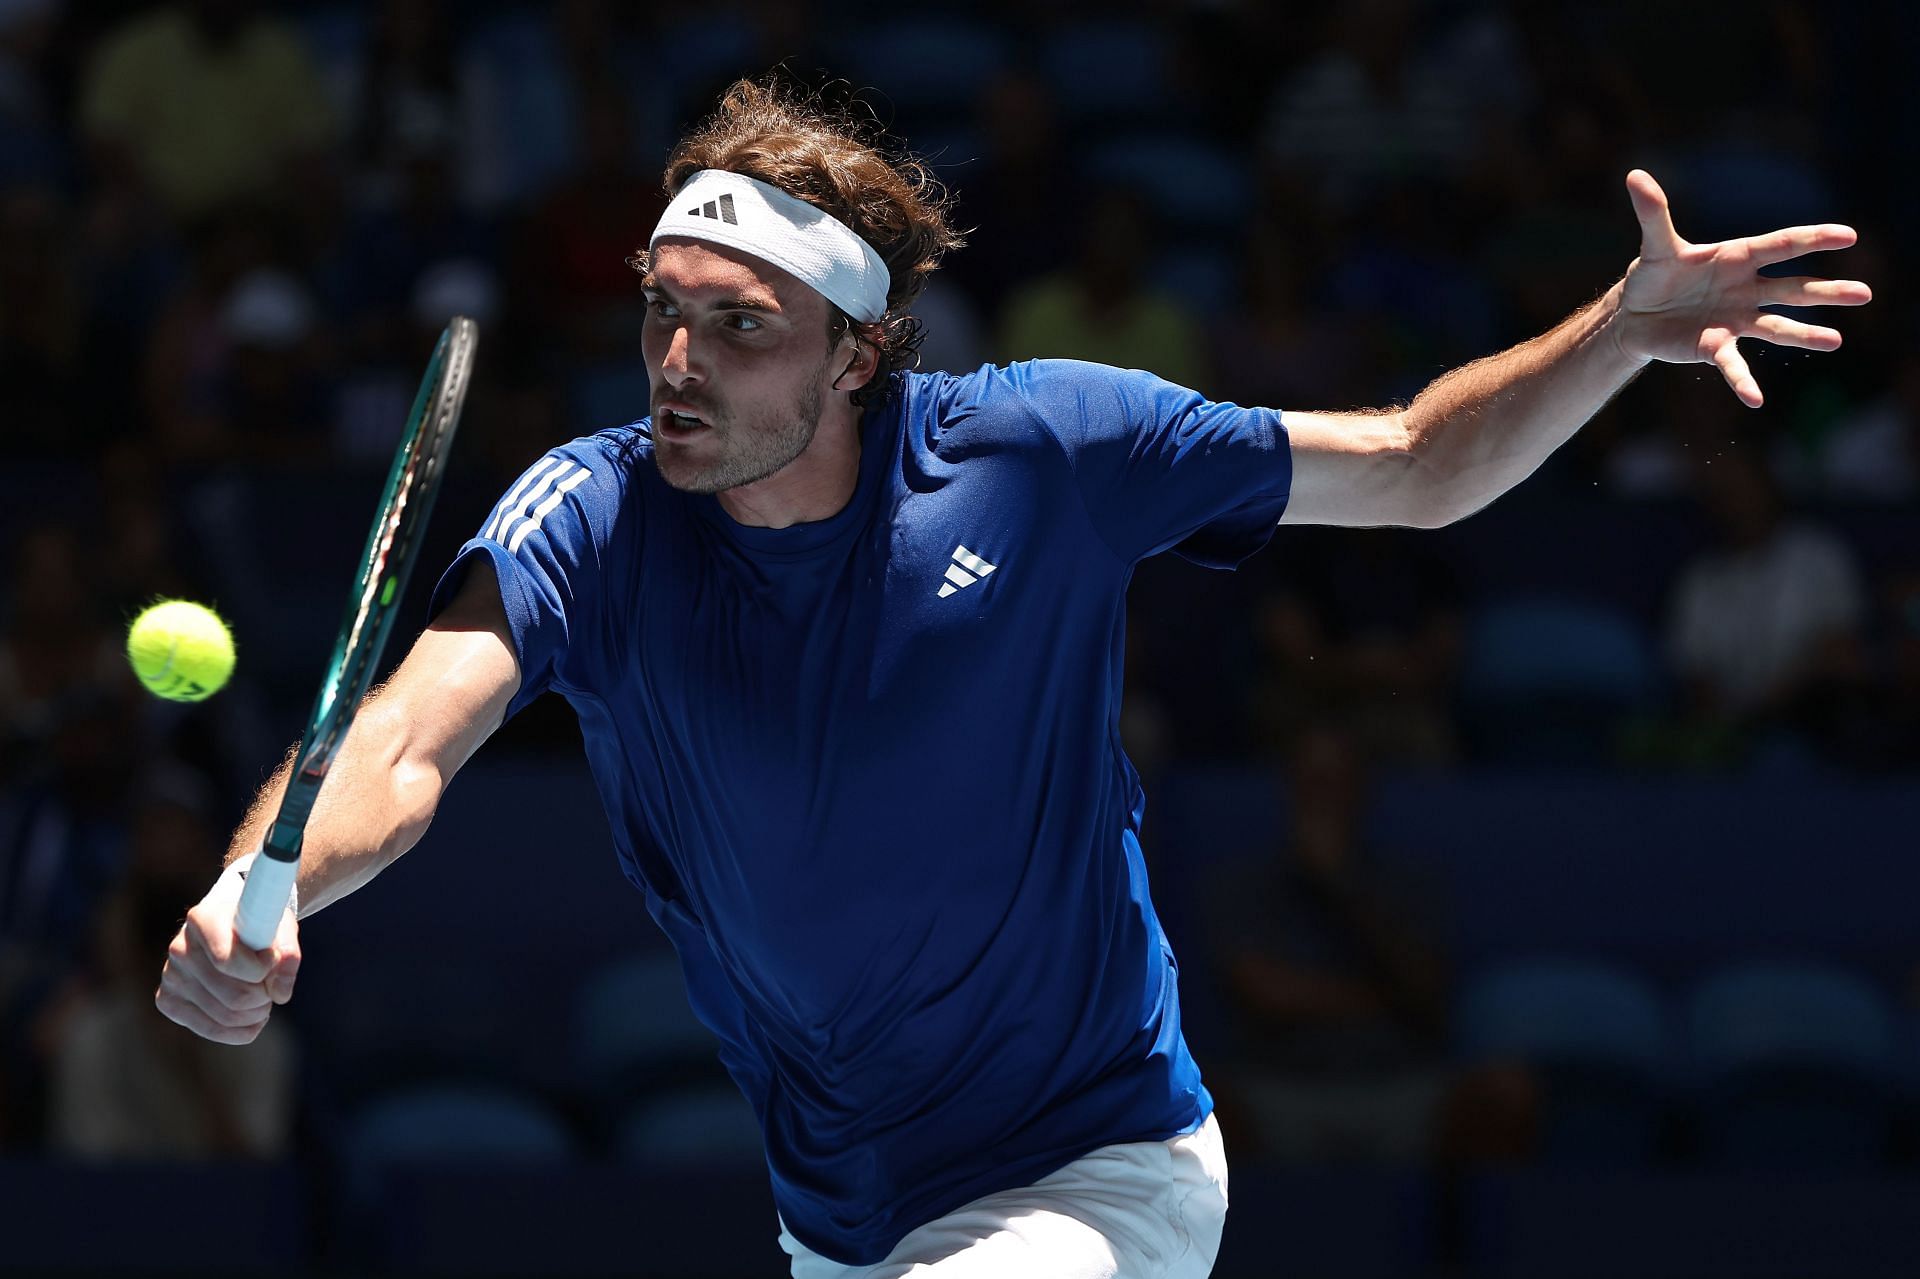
point(1012, 194)
point(1873, 453)
point(405, 96)
point(1363, 629)
point(140, 554)
point(69, 733)
point(1330, 958)
point(1553, 235)
point(205, 103)
point(31, 146)
point(571, 275)
point(57, 649)
point(234, 370)
point(126, 1084)
point(368, 279)
point(40, 326)
point(1100, 308)
point(1764, 633)
point(1389, 100)
point(272, 398)
point(1401, 287)
point(62, 846)
point(1275, 346)
point(1646, 447)
point(954, 341)
point(524, 82)
point(1893, 729)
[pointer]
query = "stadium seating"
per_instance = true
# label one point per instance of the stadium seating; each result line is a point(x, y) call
point(1550, 680)
point(578, 1219)
point(1331, 1222)
point(610, 394)
point(1794, 1066)
point(146, 1218)
point(1106, 69)
point(693, 1126)
point(455, 1122)
point(1599, 1039)
point(1606, 1224)
point(953, 58)
point(1192, 185)
point(1203, 278)
point(428, 1128)
point(335, 36)
point(633, 1031)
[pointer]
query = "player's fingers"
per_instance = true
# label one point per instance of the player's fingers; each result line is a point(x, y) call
point(220, 995)
point(286, 959)
point(1791, 242)
point(1783, 330)
point(1658, 240)
point(178, 1010)
point(1733, 367)
point(280, 980)
point(1801, 290)
point(226, 952)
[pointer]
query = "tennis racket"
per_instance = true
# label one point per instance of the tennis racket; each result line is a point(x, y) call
point(392, 547)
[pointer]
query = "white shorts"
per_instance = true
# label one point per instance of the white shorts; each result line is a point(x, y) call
point(1140, 1210)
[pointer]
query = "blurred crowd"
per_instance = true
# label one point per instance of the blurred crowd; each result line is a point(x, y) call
point(230, 230)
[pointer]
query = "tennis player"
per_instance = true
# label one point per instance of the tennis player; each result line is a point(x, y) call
point(845, 644)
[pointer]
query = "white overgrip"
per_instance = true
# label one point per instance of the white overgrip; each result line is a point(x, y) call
point(266, 896)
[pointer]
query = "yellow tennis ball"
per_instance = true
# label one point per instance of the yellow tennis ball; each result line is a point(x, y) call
point(181, 651)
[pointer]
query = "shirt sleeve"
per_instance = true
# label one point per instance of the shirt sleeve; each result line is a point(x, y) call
point(548, 538)
point(1161, 467)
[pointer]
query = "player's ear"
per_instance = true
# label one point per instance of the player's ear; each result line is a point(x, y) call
point(860, 363)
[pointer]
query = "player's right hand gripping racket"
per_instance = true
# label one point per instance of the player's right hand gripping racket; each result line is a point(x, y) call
point(392, 547)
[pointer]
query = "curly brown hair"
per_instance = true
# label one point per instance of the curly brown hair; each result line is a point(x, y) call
point(833, 160)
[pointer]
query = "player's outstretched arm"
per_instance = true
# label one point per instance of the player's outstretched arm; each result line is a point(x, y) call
point(404, 746)
point(1481, 429)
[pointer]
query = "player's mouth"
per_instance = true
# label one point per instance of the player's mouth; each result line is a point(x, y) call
point(678, 424)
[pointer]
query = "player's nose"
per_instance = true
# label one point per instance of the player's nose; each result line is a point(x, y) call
point(679, 365)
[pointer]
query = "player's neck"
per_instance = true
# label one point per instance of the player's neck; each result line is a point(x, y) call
point(815, 486)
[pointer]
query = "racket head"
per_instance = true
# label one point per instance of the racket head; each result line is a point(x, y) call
point(386, 563)
point(393, 543)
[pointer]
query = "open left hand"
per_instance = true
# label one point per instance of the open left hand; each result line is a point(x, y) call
point(1689, 303)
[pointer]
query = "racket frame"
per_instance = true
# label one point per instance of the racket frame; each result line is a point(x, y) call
point(393, 544)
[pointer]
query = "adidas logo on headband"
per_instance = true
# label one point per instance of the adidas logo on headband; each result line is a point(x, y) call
point(724, 213)
point(801, 239)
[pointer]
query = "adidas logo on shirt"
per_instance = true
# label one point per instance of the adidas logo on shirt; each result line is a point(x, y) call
point(722, 213)
point(966, 569)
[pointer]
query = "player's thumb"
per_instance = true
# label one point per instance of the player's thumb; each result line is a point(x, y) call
point(285, 958)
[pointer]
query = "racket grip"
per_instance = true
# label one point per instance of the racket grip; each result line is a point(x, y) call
point(264, 899)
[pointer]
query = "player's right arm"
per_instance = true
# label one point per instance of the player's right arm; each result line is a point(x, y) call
point(404, 747)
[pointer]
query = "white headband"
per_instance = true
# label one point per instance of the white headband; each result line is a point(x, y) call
point(811, 245)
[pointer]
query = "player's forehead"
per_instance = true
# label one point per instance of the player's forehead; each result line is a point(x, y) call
point(694, 271)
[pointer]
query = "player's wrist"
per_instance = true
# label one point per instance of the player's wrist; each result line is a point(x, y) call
point(234, 877)
point(1624, 328)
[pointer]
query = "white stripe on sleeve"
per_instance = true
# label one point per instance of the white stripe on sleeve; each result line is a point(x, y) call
point(540, 512)
point(527, 499)
point(502, 514)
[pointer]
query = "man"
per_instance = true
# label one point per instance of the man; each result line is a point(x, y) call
point(1766, 628)
point(1331, 959)
point(849, 682)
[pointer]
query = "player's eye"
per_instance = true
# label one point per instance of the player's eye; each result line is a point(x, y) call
point(662, 308)
point(744, 323)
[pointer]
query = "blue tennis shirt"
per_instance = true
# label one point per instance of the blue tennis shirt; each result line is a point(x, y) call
point(868, 770)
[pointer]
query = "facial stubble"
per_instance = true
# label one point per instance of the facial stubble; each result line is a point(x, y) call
point(748, 455)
